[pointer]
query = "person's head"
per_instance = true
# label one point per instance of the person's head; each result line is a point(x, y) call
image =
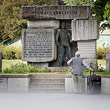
point(63, 25)
point(77, 54)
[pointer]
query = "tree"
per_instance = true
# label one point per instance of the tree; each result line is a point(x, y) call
point(107, 12)
point(46, 2)
point(97, 9)
point(79, 2)
point(11, 22)
point(98, 13)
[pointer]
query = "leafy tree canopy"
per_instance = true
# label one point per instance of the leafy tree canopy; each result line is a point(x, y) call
point(11, 22)
point(97, 9)
point(46, 2)
point(79, 2)
point(107, 12)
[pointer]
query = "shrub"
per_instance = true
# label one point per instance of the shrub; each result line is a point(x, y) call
point(23, 68)
point(12, 52)
point(18, 53)
point(101, 69)
point(101, 51)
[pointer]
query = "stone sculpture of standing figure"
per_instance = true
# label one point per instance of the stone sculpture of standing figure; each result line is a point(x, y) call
point(63, 38)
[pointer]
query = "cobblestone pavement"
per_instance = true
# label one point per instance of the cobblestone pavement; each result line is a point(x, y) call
point(53, 101)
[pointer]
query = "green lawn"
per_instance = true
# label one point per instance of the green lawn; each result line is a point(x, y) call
point(8, 63)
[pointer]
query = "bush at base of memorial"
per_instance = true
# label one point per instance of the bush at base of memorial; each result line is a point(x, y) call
point(23, 68)
point(12, 52)
point(101, 51)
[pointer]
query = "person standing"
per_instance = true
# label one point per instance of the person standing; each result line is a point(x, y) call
point(77, 65)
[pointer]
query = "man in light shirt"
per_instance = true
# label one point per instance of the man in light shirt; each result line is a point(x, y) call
point(76, 65)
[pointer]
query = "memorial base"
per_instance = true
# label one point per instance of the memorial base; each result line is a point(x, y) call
point(39, 65)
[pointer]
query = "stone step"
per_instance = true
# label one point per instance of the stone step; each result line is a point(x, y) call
point(49, 75)
point(47, 86)
point(47, 81)
point(47, 90)
point(63, 69)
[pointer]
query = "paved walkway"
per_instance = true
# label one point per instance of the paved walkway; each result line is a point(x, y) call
point(37, 101)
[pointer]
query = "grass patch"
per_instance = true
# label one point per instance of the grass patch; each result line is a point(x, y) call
point(8, 63)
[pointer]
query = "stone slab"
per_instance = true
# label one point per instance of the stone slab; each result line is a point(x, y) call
point(55, 12)
point(18, 84)
point(108, 55)
point(58, 69)
point(105, 84)
point(43, 24)
point(69, 88)
point(87, 49)
point(3, 84)
point(15, 75)
point(38, 45)
point(107, 65)
point(38, 64)
point(108, 61)
point(84, 30)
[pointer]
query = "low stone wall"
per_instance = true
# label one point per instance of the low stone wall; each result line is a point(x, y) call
point(20, 83)
point(14, 83)
point(105, 84)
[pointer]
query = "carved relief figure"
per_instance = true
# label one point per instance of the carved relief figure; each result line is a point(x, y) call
point(63, 38)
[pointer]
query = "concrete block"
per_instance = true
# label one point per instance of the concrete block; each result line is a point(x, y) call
point(105, 85)
point(55, 12)
point(48, 81)
point(43, 24)
point(87, 49)
point(18, 84)
point(38, 45)
point(84, 30)
point(3, 84)
point(38, 64)
point(108, 61)
point(48, 75)
point(69, 85)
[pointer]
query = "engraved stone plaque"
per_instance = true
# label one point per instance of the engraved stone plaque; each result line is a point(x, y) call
point(84, 30)
point(38, 45)
point(55, 12)
point(87, 48)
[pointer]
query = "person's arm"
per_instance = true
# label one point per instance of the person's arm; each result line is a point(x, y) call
point(69, 63)
point(57, 37)
point(88, 67)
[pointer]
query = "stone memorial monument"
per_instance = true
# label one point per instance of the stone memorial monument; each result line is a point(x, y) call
point(47, 44)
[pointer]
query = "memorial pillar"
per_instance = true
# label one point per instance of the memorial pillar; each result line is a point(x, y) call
point(108, 61)
point(85, 32)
